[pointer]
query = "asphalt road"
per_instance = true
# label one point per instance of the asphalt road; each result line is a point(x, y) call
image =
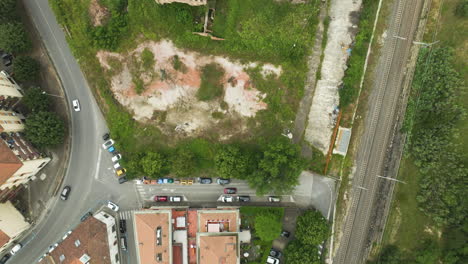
point(377, 136)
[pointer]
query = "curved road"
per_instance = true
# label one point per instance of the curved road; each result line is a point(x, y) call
point(89, 173)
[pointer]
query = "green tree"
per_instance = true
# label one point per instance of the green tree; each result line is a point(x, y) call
point(267, 226)
point(312, 228)
point(153, 164)
point(7, 11)
point(25, 68)
point(14, 38)
point(44, 129)
point(35, 100)
point(230, 161)
point(461, 10)
point(390, 255)
point(298, 253)
point(183, 162)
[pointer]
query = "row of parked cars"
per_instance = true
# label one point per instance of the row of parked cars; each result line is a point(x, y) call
point(166, 180)
point(116, 157)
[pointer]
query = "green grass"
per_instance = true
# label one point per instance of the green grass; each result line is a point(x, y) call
point(147, 59)
point(211, 82)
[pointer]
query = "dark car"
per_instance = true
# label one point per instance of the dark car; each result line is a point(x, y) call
point(160, 198)
point(7, 59)
point(106, 136)
point(123, 179)
point(244, 198)
point(275, 253)
point(230, 190)
point(123, 226)
point(5, 258)
point(65, 193)
point(285, 233)
point(206, 180)
point(222, 181)
point(84, 217)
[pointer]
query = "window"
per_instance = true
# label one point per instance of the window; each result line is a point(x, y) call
point(159, 257)
point(77, 243)
point(105, 215)
point(116, 257)
point(115, 242)
point(113, 228)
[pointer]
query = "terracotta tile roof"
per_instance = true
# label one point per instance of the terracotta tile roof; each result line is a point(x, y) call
point(9, 163)
point(227, 220)
point(146, 226)
point(217, 249)
point(4, 238)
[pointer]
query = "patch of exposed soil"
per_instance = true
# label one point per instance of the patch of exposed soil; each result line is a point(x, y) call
point(173, 92)
point(98, 13)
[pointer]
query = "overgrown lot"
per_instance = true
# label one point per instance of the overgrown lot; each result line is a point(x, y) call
point(254, 30)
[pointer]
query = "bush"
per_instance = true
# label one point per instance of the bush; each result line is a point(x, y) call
point(298, 253)
point(7, 11)
point(230, 161)
point(25, 69)
point(153, 164)
point(211, 82)
point(267, 226)
point(36, 100)
point(183, 162)
point(462, 8)
point(147, 59)
point(14, 38)
point(44, 129)
point(312, 228)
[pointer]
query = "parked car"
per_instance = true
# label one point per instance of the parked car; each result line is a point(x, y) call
point(116, 158)
point(227, 199)
point(108, 144)
point(52, 247)
point(117, 166)
point(123, 179)
point(5, 258)
point(230, 190)
point(123, 226)
point(15, 248)
point(84, 217)
point(76, 105)
point(222, 181)
point(176, 199)
point(105, 137)
point(274, 199)
point(65, 193)
point(275, 253)
point(121, 172)
point(272, 260)
point(165, 180)
point(7, 59)
point(111, 149)
point(205, 180)
point(123, 243)
point(244, 198)
point(285, 233)
point(112, 206)
point(160, 198)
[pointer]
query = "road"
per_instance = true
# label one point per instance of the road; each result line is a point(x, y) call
point(378, 131)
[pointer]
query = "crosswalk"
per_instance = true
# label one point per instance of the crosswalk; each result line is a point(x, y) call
point(127, 215)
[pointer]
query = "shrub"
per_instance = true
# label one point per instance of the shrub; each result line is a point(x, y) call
point(211, 86)
point(25, 68)
point(14, 38)
point(312, 228)
point(44, 129)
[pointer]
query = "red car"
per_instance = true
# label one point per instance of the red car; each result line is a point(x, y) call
point(160, 198)
point(230, 190)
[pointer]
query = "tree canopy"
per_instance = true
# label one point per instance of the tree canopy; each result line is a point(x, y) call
point(298, 253)
point(153, 164)
point(230, 161)
point(35, 100)
point(44, 129)
point(25, 68)
point(267, 226)
point(312, 228)
point(14, 38)
point(7, 11)
point(183, 162)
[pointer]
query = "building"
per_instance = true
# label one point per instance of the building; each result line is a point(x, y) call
point(92, 241)
point(12, 224)
point(19, 163)
point(10, 92)
point(187, 235)
point(11, 121)
point(189, 2)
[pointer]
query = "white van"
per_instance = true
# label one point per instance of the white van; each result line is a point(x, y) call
point(175, 199)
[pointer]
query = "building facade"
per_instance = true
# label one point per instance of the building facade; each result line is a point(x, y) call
point(11, 121)
point(12, 224)
point(10, 92)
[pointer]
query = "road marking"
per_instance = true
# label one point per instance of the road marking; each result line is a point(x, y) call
point(98, 164)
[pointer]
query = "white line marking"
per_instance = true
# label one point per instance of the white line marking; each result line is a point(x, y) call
point(98, 164)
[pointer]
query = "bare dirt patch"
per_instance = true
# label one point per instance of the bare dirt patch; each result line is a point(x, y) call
point(165, 93)
point(98, 13)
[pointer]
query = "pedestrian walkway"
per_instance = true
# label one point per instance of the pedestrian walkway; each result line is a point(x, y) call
point(126, 214)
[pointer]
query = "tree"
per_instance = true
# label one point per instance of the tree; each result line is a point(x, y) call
point(390, 255)
point(44, 129)
point(461, 10)
point(35, 100)
point(312, 228)
point(25, 68)
point(7, 11)
point(183, 162)
point(153, 164)
point(231, 162)
point(267, 226)
point(298, 253)
point(14, 38)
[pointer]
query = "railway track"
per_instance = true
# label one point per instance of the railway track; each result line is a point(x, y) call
point(377, 136)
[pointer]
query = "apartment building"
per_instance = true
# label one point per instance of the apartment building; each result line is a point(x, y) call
point(93, 241)
point(11, 121)
point(188, 2)
point(12, 224)
point(10, 92)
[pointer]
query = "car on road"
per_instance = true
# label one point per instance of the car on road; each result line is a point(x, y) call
point(123, 179)
point(84, 217)
point(159, 198)
point(76, 105)
point(205, 180)
point(227, 199)
point(15, 248)
point(123, 226)
point(106, 136)
point(5, 258)
point(121, 172)
point(108, 144)
point(116, 158)
point(165, 180)
point(65, 193)
point(112, 206)
point(274, 199)
point(244, 198)
point(176, 199)
point(285, 233)
point(222, 181)
point(66, 235)
point(230, 190)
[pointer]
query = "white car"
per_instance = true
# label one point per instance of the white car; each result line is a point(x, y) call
point(15, 249)
point(116, 158)
point(272, 260)
point(112, 206)
point(227, 199)
point(76, 105)
point(116, 165)
point(107, 144)
point(51, 248)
